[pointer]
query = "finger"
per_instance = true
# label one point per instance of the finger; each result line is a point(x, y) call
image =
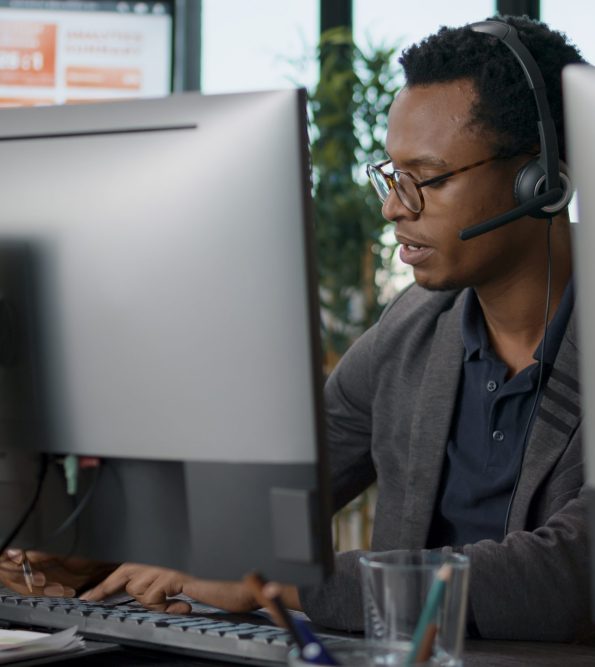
point(12, 561)
point(167, 584)
point(178, 607)
point(271, 595)
point(170, 606)
point(229, 595)
point(10, 567)
point(15, 555)
point(134, 588)
point(21, 588)
point(158, 606)
point(271, 590)
point(115, 583)
point(255, 585)
point(141, 580)
point(34, 557)
point(56, 590)
point(11, 573)
point(39, 579)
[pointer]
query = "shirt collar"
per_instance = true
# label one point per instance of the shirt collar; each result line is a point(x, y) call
point(557, 326)
point(475, 336)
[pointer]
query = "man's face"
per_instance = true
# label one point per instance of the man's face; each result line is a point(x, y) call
point(429, 134)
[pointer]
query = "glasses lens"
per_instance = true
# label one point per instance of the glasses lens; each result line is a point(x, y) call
point(407, 192)
point(378, 180)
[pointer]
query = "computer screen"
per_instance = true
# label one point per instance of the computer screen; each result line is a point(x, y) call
point(579, 107)
point(160, 312)
point(73, 51)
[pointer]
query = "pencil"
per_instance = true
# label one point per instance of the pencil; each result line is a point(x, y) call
point(427, 643)
point(425, 630)
point(27, 572)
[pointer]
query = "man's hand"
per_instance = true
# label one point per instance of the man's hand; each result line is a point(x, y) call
point(153, 586)
point(51, 575)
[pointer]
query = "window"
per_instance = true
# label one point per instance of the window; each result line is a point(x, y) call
point(405, 22)
point(259, 44)
point(575, 18)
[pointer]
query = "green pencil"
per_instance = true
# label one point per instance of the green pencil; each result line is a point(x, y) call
point(427, 617)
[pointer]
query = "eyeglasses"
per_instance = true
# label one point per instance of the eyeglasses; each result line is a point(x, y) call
point(407, 188)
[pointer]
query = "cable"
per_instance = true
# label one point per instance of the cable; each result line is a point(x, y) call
point(43, 468)
point(540, 378)
point(78, 508)
point(67, 523)
point(74, 515)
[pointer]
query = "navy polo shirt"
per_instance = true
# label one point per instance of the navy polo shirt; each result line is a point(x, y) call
point(485, 444)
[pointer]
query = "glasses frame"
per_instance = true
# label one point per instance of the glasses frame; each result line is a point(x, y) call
point(393, 182)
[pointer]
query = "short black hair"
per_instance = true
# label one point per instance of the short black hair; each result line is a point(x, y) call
point(505, 107)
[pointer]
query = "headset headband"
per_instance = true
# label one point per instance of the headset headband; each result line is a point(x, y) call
point(549, 157)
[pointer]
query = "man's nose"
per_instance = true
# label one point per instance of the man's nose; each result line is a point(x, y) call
point(394, 210)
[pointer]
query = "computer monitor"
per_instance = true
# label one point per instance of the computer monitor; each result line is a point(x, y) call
point(159, 311)
point(72, 51)
point(578, 83)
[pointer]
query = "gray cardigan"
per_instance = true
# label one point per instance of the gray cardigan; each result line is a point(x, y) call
point(390, 403)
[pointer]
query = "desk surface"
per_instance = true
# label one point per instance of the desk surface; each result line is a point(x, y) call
point(484, 653)
point(479, 653)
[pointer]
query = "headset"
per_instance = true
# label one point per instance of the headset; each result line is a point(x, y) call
point(542, 187)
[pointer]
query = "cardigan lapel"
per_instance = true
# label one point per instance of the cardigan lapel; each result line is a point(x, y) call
point(430, 426)
point(558, 418)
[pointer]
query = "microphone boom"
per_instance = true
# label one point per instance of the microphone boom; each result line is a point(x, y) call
point(549, 197)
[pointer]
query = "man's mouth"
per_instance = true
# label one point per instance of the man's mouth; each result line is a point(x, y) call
point(413, 254)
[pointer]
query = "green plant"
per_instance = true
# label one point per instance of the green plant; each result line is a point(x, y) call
point(349, 111)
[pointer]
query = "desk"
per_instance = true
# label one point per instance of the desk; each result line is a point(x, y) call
point(485, 653)
point(478, 653)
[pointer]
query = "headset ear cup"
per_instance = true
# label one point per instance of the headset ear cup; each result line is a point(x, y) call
point(529, 183)
point(527, 180)
point(566, 184)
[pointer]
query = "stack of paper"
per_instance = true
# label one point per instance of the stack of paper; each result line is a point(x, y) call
point(22, 644)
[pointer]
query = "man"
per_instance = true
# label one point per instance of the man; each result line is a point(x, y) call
point(437, 401)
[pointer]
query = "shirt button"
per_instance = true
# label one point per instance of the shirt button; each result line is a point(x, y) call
point(492, 386)
point(498, 436)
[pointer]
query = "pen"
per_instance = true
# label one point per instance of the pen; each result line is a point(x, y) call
point(311, 648)
point(273, 595)
point(425, 630)
point(27, 572)
point(314, 650)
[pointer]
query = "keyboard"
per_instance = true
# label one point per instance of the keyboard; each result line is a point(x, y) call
point(205, 632)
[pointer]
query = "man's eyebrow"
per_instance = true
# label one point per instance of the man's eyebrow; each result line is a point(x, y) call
point(423, 161)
